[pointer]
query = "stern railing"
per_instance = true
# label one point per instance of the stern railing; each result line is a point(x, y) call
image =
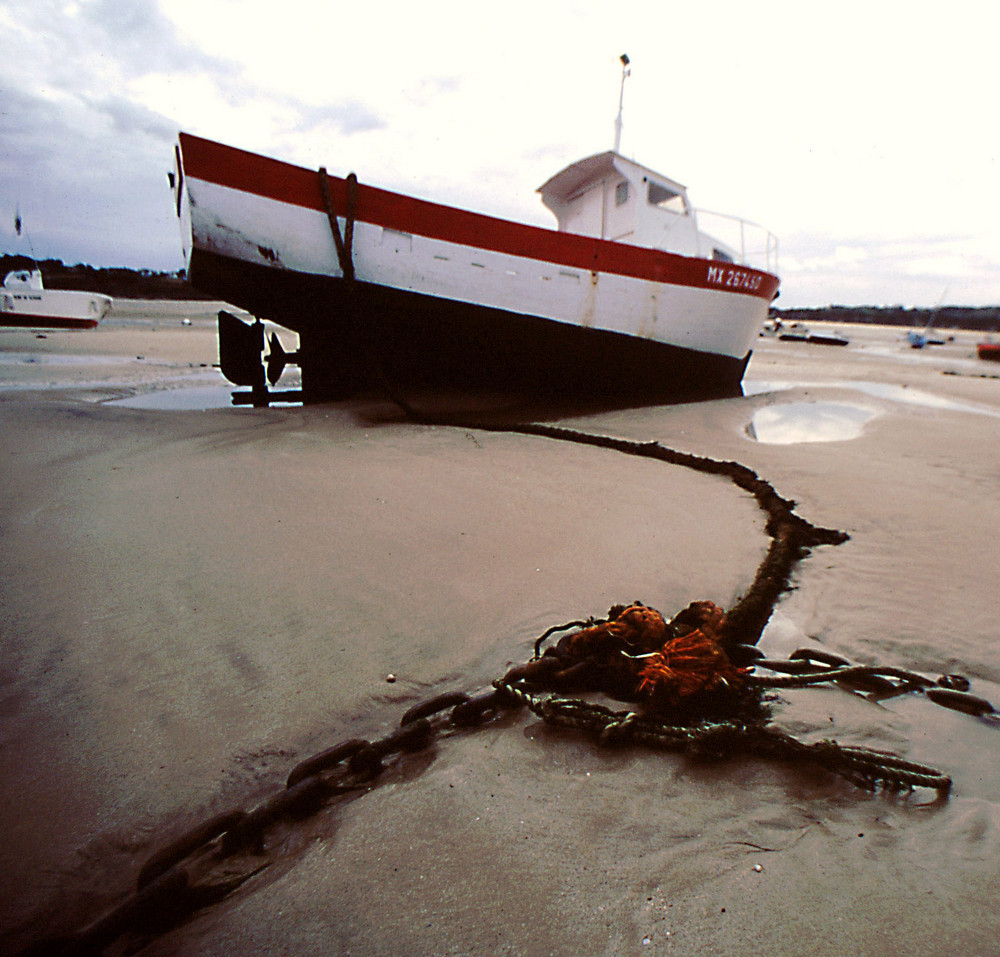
point(754, 245)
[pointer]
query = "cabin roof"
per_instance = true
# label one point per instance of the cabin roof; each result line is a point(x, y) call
point(569, 181)
point(23, 278)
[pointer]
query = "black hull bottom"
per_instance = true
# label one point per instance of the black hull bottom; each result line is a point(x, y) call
point(358, 338)
point(16, 321)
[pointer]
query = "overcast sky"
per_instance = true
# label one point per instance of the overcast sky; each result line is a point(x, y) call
point(864, 134)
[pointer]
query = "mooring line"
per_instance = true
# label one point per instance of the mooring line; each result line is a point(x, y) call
point(174, 880)
point(792, 537)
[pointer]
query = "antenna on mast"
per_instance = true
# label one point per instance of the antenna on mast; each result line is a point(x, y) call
point(19, 229)
point(621, 101)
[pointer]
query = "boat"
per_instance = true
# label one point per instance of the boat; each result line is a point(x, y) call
point(628, 296)
point(989, 351)
point(24, 301)
point(797, 332)
point(918, 340)
point(827, 339)
point(922, 339)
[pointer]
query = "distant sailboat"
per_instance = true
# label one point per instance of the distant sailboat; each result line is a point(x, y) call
point(918, 340)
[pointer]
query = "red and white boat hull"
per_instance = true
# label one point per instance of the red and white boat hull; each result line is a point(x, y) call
point(52, 308)
point(442, 293)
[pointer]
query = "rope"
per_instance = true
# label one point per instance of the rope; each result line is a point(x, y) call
point(215, 858)
point(864, 767)
point(344, 247)
point(840, 674)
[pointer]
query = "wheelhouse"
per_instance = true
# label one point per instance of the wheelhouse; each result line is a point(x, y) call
point(610, 197)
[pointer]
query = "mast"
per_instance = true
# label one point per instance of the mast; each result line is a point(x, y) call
point(621, 101)
point(19, 230)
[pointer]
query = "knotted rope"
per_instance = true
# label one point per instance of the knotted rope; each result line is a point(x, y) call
point(696, 695)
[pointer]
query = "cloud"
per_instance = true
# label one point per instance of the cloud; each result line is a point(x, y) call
point(81, 156)
point(877, 189)
point(93, 95)
point(347, 117)
point(144, 40)
point(867, 270)
point(127, 118)
point(26, 125)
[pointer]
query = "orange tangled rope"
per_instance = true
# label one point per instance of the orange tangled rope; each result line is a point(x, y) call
point(691, 663)
point(666, 663)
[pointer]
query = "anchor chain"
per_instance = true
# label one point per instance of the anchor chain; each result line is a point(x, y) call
point(215, 858)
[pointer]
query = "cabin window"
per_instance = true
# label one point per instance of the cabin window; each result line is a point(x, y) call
point(621, 193)
point(665, 198)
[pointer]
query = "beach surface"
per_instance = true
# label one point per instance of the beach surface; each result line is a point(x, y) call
point(194, 599)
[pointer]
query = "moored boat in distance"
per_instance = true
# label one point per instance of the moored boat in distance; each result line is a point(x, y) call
point(988, 350)
point(629, 297)
point(24, 301)
point(828, 339)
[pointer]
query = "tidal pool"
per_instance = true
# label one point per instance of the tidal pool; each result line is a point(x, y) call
point(794, 422)
point(186, 398)
point(190, 399)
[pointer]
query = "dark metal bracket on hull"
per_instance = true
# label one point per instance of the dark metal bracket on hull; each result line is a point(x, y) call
point(241, 359)
point(242, 345)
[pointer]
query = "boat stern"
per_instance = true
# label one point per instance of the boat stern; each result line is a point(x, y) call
point(182, 203)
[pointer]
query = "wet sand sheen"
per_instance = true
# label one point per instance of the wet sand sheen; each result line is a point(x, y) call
point(193, 602)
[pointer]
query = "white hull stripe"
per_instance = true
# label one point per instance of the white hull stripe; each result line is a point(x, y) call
point(283, 236)
point(249, 173)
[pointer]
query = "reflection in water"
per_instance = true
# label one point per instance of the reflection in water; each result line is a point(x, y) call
point(189, 399)
point(185, 399)
point(808, 422)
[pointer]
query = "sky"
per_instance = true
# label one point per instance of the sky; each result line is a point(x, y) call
point(862, 134)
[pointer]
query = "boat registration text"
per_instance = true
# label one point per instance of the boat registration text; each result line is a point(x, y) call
point(733, 278)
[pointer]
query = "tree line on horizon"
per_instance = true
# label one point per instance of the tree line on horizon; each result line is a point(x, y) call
point(148, 284)
point(972, 318)
point(115, 281)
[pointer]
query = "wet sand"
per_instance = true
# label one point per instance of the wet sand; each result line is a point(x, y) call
point(193, 601)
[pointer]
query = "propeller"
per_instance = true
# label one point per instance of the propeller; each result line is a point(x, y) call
point(277, 358)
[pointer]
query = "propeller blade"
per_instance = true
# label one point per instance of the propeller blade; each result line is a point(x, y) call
point(276, 359)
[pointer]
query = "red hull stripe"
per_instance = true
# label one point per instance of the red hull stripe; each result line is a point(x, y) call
point(46, 322)
point(273, 179)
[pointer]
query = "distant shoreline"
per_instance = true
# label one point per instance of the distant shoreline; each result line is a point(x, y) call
point(117, 282)
point(124, 283)
point(973, 318)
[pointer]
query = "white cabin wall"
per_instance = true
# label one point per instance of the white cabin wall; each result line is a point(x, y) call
point(584, 213)
point(620, 221)
point(594, 209)
point(665, 230)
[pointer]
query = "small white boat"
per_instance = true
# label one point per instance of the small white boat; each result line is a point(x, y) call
point(24, 301)
point(629, 296)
